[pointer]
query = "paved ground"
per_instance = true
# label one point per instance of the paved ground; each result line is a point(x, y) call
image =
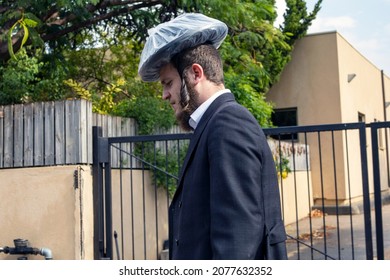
point(339, 238)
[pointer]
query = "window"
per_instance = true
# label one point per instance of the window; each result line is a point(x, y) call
point(361, 117)
point(285, 117)
point(381, 144)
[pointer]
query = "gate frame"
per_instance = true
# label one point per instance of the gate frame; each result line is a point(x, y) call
point(377, 187)
point(361, 127)
point(103, 194)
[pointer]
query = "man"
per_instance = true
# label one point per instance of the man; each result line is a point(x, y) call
point(227, 204)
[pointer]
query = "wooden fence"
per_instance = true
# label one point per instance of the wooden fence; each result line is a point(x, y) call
point(53, 133)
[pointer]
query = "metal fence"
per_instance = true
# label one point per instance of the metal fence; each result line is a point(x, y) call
point(133, 191)
point(330, 200)
point(338, 225)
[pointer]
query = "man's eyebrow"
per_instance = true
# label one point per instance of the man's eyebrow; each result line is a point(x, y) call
point(164, 81)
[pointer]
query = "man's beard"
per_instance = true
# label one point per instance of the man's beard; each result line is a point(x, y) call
point(189, 103)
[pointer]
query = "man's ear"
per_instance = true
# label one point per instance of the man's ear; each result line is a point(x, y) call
point(197, 71)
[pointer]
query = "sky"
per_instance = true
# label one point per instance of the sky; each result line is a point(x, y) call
point(364, 24)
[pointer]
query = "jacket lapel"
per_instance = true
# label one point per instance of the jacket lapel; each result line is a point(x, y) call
point(200, 128)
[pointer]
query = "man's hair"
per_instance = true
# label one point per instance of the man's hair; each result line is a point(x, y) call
point(206, 56)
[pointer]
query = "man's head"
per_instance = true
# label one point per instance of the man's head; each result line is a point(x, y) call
point(170, 38)
point(183, 54)
point(191, 77)
point(206, 56)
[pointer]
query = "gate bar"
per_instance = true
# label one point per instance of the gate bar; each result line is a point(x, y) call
point(366, 192)
point(377, 188)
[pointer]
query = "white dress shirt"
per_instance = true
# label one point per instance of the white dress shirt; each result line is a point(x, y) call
point(198, 113)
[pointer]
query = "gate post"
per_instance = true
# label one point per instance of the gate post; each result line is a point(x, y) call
point(366, 192)
point(102, 196)
point(377, 190)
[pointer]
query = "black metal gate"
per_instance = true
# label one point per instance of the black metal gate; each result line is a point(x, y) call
point(333, 180)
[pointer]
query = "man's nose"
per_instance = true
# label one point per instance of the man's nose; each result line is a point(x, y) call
point(165, 95)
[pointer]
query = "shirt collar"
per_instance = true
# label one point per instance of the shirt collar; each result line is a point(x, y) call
point(198, 113)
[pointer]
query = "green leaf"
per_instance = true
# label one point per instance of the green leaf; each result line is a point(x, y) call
point(30, 22)
point(10, 46)
point(25, 35)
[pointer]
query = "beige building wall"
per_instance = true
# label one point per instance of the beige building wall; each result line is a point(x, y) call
point(50, 207)
point(361, 92)
point(310, 81)
point(316, 83)
point(140, 214)
point(296, 197)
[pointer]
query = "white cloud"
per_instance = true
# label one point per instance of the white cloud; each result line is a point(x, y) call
point(369, 45)
point(280, 9)
point(332, 23)
point(320, 23)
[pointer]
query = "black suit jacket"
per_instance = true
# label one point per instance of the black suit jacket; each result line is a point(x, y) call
point(217, 211)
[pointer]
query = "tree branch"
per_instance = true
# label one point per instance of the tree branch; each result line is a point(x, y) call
point(69, 23)
point(96, 19)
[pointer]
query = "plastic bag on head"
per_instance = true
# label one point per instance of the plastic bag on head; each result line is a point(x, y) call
point(169, 38)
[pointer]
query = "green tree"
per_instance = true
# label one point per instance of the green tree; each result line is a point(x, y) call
point(95, 45)
point(61, 24)
point(28, 78)
point(297, 20)
point(255, 52)
point(109, 75)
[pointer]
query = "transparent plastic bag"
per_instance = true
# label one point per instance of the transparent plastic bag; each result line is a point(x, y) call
point(169, 38)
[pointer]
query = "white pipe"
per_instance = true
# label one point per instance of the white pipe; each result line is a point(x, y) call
point(46, 253)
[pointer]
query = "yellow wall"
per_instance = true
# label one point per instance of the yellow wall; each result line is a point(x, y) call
point(129, 203)
point(43, 206)
point(316, 82)
point(296, 196)
point(310, 84)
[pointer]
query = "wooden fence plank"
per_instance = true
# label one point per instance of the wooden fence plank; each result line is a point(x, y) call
point(49, 147)
point(97, 120)
point(70, 124)
point(57, 133)
point(28, 135)
point(116, 131)
point(60, 120)
point(89, 132)
point(125, 130)
point(76, 131)
point(18, 136)
point(8, 136)
point(68, 132)
point(39, 130)
point(1, 136)
point(83, 128)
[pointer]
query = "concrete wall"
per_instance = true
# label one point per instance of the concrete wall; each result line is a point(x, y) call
point(50, 208)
